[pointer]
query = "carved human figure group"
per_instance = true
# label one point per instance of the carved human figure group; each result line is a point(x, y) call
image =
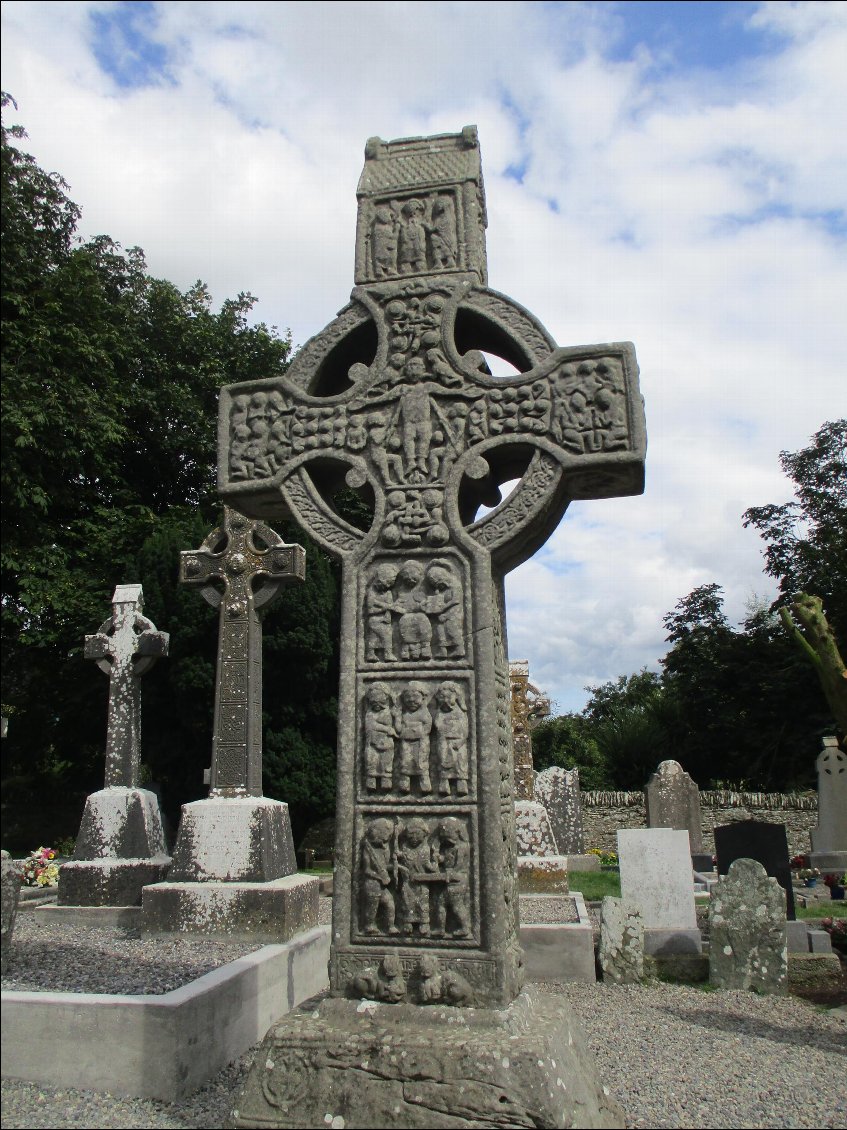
point(413, 236)
point(413, 611)
point(415, 878)
point(398, 726)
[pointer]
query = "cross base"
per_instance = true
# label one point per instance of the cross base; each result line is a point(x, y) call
point(233, 839)
point(119, 883)
point(366, 1064)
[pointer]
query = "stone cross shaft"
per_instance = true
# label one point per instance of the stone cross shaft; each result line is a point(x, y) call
point(251, 563)
point(125, 647)
point(395, 398)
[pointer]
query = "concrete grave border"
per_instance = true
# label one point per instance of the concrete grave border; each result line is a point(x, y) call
point(160, 1047)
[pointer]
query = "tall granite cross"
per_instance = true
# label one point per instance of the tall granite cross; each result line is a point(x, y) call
point(395, 399)
point(125, 647)
point(251, 563)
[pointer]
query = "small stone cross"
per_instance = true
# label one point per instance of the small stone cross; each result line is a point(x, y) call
point(396, 399)
point(252, 563)
point(125, 647)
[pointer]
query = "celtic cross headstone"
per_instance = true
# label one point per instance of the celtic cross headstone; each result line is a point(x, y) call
point(395, 400)
point(251, 563)
point(121, 845)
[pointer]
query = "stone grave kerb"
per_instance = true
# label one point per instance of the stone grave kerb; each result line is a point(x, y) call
point(395, 399)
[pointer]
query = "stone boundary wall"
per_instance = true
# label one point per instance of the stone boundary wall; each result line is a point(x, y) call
point(604, 813)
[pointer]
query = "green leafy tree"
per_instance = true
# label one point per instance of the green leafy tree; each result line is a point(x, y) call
point(111, 380)
point(567, 741)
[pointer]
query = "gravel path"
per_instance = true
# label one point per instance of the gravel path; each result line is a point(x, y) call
point(671, 1055)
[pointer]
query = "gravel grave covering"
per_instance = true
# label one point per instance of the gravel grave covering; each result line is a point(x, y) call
point(671, 1055)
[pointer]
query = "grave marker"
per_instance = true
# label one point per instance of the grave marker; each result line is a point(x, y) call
point(747, 934)
point(764, 842)
point(395, 398)
point(655, 865)
point(829, 838)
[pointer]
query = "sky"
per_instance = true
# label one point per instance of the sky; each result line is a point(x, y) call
point(673, 174)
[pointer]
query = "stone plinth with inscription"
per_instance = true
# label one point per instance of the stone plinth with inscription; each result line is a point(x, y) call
point(120, 847)
point(396, 400)
point(234, 870)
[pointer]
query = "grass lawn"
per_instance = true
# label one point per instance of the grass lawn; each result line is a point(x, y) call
point(595, 885)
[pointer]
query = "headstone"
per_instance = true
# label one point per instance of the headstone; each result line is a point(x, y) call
point(829, 838)
point(747, 947)
point(559, 792)
point(395, 398)
point(10, 890)
point(755, 839)
point(234, 868)
point(121, 844)
point(655, 865)
point(673, 801)
point(621, 942)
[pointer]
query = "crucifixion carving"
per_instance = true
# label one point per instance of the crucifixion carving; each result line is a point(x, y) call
point(395, 399)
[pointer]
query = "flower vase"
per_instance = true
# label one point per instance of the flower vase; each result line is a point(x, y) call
point(810, 882)
point(836, 892)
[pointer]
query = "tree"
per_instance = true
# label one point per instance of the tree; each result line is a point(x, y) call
point(567, 741)
point(111, 380)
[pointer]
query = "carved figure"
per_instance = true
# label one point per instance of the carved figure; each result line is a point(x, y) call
point(415, 858)
point(414, 411)
point(414, 628)
point(413, 729)
point(379, 606)
point(452, 901)
point(443, 233)
point(451, 741)
point(445, 608)
point(411, 256)
point(384, 243)
point(445, 987)
point(379, 737)
point(377, 877)
point(383, 984)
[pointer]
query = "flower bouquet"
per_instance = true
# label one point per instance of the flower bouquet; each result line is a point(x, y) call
point(40, 869)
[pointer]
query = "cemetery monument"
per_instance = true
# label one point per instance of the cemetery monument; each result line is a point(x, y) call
point(395, 399)
point(121, 844)
point(672, 800)
point(829, 838)
point(234, 870)
point(656, 876)
point(747, 930)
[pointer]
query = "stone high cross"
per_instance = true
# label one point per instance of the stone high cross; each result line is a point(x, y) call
point(395, 399)
point(125, 647)
point(252, 563)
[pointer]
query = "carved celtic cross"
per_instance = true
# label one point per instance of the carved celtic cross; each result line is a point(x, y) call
point(395, 399)
point(251, 563)
point(125, 647)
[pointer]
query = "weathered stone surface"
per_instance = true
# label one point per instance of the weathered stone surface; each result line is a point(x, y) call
point(558, 790)
point(529, 706)
point(233, 839)
point(621, 942)
point(829, 838)
point(747, 930)
point(121, 842)
point(655, 866)
point(372, 1065)
point(267, 912)
point(673, 801)
point(10, 890)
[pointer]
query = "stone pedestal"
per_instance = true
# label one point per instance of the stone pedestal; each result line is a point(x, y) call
point(10, 890)
point(340, 1063)
point(119, 850)
point(540, 867)
point(233, 874)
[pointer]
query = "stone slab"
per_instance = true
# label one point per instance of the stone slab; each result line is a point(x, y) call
point(665, 941)
point(820, 942)
point(655, 867)
point(621, 952)
point(747, 930)
point(760, 840)
point(108, 882)
point(814, 970)
point(583, 862)
point(336, 1063)
point(672, 800)
point(532, 829)
point(267, 912)
point(830, 835)
point(558, 790)
point(797, 936)
point(233, 840)
point(88, 917)
point(147, 1046)
point(11, 893)
point(542, 874)
point(558, 950)
point(829, 861)
point(120, 822)
point(678, 968)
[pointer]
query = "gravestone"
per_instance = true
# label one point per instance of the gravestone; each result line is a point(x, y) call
point(121, 844)
point(747, 933)
point(621, 942)
point(11, 877)
point(672, 800)
point(395, 399)
point(829, 838)
point(234, 870)
point(558, 790)
point(655, 865)
point(764, 842)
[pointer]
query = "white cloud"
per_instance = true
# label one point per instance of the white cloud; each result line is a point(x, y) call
point(689, 211)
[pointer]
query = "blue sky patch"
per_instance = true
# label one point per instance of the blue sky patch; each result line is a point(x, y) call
point(124, 47)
